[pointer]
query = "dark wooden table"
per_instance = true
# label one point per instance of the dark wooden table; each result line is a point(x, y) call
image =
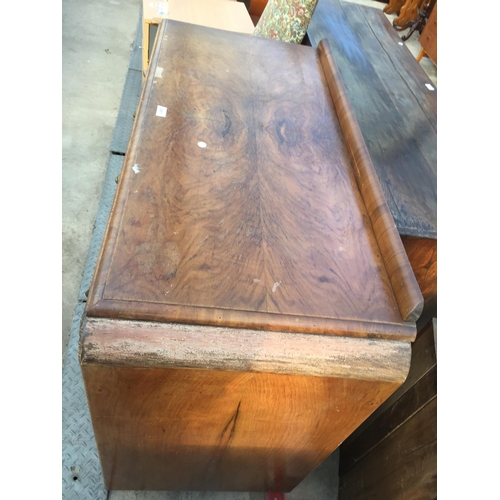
point(395, 104)
point(252, 302)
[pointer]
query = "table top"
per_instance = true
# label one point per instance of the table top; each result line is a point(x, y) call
point(393, 104)
point(238, 205)
point(221, 14)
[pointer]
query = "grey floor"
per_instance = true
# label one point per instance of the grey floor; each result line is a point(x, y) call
point(321, 484)
point(97, 42)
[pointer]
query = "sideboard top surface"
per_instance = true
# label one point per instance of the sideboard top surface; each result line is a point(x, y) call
point(239, 200)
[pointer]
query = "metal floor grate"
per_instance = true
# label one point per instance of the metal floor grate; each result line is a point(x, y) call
point(81, 469)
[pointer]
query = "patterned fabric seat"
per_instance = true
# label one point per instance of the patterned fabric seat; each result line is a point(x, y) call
point(285, 20)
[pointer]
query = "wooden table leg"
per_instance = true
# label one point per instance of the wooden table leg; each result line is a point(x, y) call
point(408, 13)
point(420, 55)
point(394, 6)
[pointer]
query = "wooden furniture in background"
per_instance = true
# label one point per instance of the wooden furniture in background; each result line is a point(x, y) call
point(222, 14)
point(394, 6)
point(396, 111)
point(428, 38)
point(257, 7)
point(408, 14)
point(412, 15)
point(285, 21)
point(252, 302)
point(392, 455)
point(407, 10)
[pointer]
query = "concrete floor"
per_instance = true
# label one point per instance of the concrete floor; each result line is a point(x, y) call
point(97, 42)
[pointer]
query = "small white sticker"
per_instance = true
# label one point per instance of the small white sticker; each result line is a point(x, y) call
point(202, 144)
point(136, 169)
point(158, 72)
point(161, 111)
point(429, 86)
point(400, 43)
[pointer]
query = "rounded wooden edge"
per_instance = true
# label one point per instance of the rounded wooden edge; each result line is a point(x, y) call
point(107, 248)
point(405, 287)
point(256, 320)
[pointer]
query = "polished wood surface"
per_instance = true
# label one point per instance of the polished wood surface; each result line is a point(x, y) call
point(396, 445)
point(395, 259)
point(247, 217)
point(178, 429)
point(264, 226)
point(396, 112)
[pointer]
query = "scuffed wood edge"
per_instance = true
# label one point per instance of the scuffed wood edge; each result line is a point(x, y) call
point(98, 283)
point(159, 345)
point(406, 290)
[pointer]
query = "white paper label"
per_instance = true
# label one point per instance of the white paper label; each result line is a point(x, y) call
point(161, 111)
point(429, 86)
point(158, 72)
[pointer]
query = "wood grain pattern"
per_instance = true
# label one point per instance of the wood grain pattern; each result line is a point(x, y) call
point(163, 345)
point(407, 292)
point(395, 111)
point(404, 467)
point(178, 429)
point(264, 227)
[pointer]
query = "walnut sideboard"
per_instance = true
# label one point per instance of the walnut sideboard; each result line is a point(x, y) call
point(252, 302)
